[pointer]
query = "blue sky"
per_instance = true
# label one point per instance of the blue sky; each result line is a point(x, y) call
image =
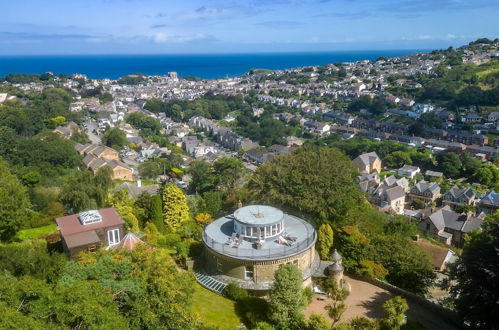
point(215, 26)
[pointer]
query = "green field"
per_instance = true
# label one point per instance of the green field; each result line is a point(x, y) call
point(214, 309)
point(33, 233)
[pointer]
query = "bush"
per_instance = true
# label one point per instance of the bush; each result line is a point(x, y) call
point(233, 292)
point(372, 270)
point(308, 293)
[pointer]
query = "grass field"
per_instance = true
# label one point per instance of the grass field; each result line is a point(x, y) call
point(33, 233)
point(214, 309)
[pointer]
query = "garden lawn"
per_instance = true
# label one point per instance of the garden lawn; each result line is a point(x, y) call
point(33, 233)
point(214, 309)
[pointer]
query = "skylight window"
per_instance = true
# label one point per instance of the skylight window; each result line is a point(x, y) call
point(90, 217)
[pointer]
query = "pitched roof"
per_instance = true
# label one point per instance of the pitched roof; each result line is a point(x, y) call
point(438, 253)
point(70, 224)
point(491, 198)
point(80, 239)
point(423, 186)
point(456, 192)
point(395, 193)
point(367, 158)
point(129, 242)
point(446, 218)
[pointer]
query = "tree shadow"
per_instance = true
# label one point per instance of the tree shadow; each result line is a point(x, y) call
point(252, 310)
point(374, 306)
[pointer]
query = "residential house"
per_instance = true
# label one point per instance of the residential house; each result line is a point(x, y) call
point(257, 156)
point(489, 203)
point(409, 171)
point(368, 162)
point(368, 181)
point(278, 149)
point(87, 231)
point(97, 151)
point(389, 198)
point(120, 170)
point(425, 191)
point(450, 227)
point(433, 174)
point(493, 116)
point(392, 181)
point(471, 118)
point(63, 131)
point(136, 189)
point(457, 196)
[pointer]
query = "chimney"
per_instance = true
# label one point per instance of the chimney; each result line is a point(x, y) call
point(139, 183)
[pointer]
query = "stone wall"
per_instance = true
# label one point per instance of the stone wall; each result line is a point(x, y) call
point(263, 270)
point(446, 313)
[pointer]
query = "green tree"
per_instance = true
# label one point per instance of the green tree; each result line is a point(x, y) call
point(395, 316)
point(125, 206)
point(317, 181)
point(318, 322)
point(337, 306)
point(286, 299)
point(15, 206)
point(156, 216)
point(398, 159)
point(450, 164)
point(324, 241)
point(408, 266)
point(473, 277)
point(115, 138)
point(175, 208)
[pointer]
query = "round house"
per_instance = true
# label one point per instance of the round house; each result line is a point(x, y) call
point(248, 246)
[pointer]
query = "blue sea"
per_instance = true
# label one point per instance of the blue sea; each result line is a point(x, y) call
point(206, 66)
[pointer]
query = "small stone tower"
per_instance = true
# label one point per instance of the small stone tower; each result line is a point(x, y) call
point(336, 268)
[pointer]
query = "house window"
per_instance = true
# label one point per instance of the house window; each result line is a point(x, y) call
point(92, 248)
point(113, 236)
point(427, 226)
point(248, 273)
point(219, 265)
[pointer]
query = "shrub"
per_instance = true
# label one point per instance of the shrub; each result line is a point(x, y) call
point(234, 292)
point(308, 293)
point(373, 270)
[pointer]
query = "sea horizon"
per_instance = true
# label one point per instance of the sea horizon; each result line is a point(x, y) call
point(203, 65)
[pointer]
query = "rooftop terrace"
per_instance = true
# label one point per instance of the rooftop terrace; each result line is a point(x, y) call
point(217, 236)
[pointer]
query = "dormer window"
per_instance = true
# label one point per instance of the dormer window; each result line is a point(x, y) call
point(90, 217)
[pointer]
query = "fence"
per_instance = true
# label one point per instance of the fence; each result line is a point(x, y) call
point(272, 252)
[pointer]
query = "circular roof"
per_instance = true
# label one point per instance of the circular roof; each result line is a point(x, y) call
point(258, 215)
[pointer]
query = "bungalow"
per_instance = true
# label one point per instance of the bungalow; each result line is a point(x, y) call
point(456, 196)
point(409, 171)
point(87, 231)
point(426, 192)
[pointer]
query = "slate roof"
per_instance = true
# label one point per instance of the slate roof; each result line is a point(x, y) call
point(423, 186)
point(455, 192)
point(367, 158)
point(446, 218)
point(491, 198)
point(395, 193)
